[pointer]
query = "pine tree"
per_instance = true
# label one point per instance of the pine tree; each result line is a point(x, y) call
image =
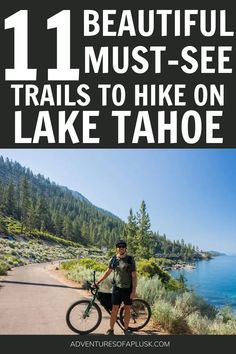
point(67, 228)
point(130, 233)
point(9, 199)
point(42, 219)
point(3, 226)
point(77, 236)
point(58, 223)
point(145, 245)
point(86, 233)
point(31, 217)
point(1, 195)
point(24, 201)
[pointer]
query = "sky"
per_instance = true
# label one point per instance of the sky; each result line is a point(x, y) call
point(190, 193)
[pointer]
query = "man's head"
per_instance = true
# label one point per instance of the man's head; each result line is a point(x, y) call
point(121, 247)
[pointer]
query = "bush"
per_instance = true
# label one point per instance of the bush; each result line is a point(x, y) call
point(225, 314)
point(150, 289)
point(89, 263)
point(164, 262)
point(3, 226)
point(149, 268)
point(205, 309)
point(68, 265)
point(174, 284)
point(221, 328)
point(187, 313)
point(198, 324)
point(4, 267)
point(169, 317)
point(189, 302)
point(11, 260)
point(81, 275)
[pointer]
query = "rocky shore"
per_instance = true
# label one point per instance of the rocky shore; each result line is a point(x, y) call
point(179, 266)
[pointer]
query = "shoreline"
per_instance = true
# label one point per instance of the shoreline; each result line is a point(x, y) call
point(179, 265)
point(191, 264)
point(221, 291)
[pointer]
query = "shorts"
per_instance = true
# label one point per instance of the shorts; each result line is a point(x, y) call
point(120, 295)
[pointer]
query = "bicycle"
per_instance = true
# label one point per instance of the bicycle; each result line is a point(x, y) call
point(84, 316)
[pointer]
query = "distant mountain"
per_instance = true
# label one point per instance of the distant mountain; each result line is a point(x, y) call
point(82, 198)
point(216, 253)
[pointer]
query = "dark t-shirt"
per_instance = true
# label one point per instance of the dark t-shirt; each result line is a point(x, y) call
point(122, 271)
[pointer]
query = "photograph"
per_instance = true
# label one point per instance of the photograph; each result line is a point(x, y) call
point(117, 176)
point(118, 242)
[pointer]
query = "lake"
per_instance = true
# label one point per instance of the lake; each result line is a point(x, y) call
point(214, 279)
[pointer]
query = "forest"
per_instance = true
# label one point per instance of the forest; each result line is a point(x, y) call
point(40, 204)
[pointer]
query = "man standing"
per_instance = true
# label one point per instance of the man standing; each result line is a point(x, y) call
point(124, 284)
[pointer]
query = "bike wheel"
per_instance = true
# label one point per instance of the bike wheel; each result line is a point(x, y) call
point(140, 314)
point(82, 321)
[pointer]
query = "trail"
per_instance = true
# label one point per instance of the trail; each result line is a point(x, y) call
point(34, 300)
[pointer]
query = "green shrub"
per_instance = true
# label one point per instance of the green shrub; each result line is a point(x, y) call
point(174, 284)
point(188, 302)
point(68, 265)
point(4, 267)
point(179, 311)
point(226, 314)
point(149, 268)
point(198, 324)
point(3, 226)
point(82, 271)
point(205, 309)
point(169, 317)
point(11, 260)
point(81, 275)
point(164, 262)
point(150, 289)
point(221, 328)
point(89, 263)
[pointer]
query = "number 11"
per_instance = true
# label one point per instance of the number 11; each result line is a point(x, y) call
point(21, 71)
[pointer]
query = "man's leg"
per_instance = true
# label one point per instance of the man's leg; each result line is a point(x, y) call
point(114, 312)
point(127, 316)
point(127, 308)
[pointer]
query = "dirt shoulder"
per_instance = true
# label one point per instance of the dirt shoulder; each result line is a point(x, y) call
point(55, 272)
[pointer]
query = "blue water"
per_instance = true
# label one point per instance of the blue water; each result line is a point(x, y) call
point(214, 279)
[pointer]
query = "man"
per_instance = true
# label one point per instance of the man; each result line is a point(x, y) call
point(124, 284)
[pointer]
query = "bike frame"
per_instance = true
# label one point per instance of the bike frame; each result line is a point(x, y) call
point(92, 301)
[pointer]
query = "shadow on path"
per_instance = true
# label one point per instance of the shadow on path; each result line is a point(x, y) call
point(38, 284)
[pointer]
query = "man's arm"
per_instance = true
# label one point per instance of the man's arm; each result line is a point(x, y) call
point(104, 275)
point(134, 284)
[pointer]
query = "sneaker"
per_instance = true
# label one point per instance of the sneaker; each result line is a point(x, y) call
point(110, 331)
point(127, 332)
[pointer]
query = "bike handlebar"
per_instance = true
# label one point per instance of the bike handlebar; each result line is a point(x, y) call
point(93, 287)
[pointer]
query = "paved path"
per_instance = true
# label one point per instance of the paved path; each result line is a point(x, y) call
point(34, 301)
